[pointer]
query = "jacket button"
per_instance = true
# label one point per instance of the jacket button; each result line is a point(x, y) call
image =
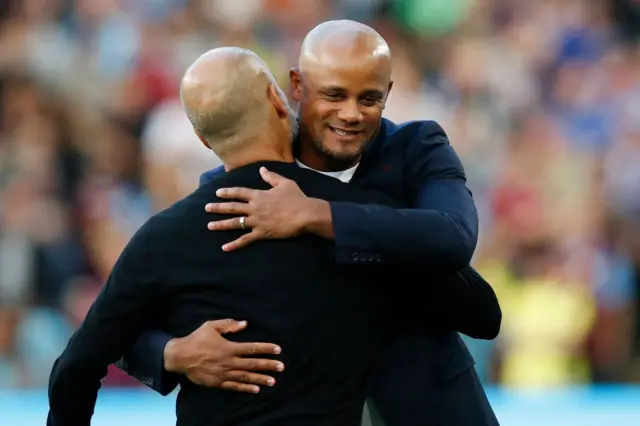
point(370, 257)
point(378, 257)
point(354, 256)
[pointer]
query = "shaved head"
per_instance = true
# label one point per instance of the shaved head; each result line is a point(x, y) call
point(332, 43)
point(341, 84)
point(225, 94)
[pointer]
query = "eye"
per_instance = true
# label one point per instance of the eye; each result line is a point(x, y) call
point(369, 101)
point(334, 97)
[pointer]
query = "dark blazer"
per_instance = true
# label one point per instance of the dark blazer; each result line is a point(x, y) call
point(434, 235)
point(331, 320)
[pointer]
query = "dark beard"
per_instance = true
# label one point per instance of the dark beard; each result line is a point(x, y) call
point(331, 161)
point(335, 161)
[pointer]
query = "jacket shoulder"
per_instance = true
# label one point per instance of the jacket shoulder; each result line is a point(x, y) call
point(419, 131)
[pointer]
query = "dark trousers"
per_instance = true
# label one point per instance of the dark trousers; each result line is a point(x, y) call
point(460, 401)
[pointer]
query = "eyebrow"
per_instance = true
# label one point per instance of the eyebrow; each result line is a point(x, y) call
point(369, 92)
point(373, 92)
point(332, 89)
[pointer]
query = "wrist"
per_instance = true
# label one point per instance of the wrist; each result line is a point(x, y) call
point(309, 214)
point(316, 218)
point(172, 356)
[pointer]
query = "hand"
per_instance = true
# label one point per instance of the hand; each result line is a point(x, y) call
point(206, 358)
point(281, 212)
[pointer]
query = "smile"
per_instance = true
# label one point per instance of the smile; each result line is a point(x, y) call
point(341, 132)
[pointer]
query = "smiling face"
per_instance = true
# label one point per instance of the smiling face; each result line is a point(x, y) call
point(341, 97)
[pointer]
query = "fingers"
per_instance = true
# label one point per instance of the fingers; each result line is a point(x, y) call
point(250, 378)
point(228, 224)
point(228, 208)
point(241, 349)
point(243, 241)
point(271, 178)
point(240, 387)
point(227, 325)
point(244, 194)
point(256, 364)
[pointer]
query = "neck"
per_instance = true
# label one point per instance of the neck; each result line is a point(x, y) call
point(261, 149)
point(255, 157)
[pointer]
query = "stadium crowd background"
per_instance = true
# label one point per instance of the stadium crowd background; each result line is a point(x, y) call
point(540, 98)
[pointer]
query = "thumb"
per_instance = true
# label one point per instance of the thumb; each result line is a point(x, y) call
point(271, 178)
point(228, 326)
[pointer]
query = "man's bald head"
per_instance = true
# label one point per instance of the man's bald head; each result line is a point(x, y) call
point(334, 43)
point(225, 95)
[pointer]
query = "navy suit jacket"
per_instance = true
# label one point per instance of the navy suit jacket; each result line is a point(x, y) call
point(414, 163)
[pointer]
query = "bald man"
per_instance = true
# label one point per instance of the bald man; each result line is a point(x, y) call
point(173, 274)
point(342, 83)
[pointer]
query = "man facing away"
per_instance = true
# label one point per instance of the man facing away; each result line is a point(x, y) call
point(342, 82)
point(174, 276)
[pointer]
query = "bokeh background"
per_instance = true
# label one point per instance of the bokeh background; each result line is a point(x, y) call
point(540, 98)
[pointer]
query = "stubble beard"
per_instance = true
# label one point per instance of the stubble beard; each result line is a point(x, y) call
point(337, 161)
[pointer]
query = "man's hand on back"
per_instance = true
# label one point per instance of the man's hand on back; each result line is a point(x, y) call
point(206, 358)
point(280, 212)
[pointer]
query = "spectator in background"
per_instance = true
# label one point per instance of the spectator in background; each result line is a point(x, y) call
point(173, 157)
point(546, 347)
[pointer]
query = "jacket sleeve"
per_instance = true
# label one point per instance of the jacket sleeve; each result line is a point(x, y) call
point(465, 302)
point(145, 362)
point(441, 228)
point(122, 311)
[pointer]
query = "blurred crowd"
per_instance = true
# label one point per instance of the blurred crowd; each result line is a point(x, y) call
point(540, 98)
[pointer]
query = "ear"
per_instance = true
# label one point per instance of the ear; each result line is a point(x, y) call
point(388, 91)
point(387, 95)
point(295, 78)
point(277, 101)
point(203, 140)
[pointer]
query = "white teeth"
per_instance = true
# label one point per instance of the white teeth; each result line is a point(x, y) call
point(341, 132)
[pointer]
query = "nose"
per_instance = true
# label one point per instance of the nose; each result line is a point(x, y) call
point(350, 112)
